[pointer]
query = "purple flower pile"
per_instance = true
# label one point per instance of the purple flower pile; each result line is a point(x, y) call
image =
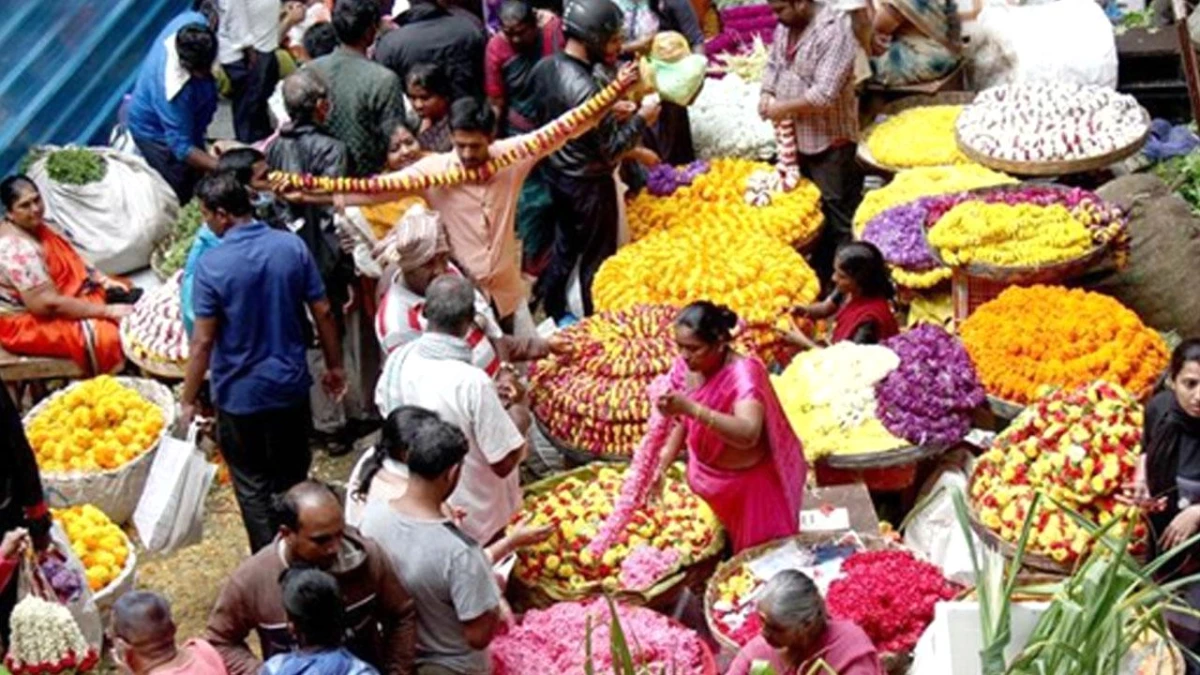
point(899, 232)
point(664, 179)
point(929, 398)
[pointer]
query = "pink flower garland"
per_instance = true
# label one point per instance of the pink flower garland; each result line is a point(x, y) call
point(640, 476)
point(646, 566)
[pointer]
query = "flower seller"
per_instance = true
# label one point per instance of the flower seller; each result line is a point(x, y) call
point(744, 459)
point(798, 637)
point(54, 304)
point(861, 302)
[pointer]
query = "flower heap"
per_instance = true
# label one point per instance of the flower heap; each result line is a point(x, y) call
point(1004, 235)
point(716, 199)
point(890, 595)
point(928, 399)
point(46, 640)
point(592, 395)
point(551, 641)
point(100, 545)
point(663, 180)
point(1077, 446)
point(899, 233)
point(96, 425)
point(912, 184)
point(575, 507)
point(733, 613)
point(537, 142)
point(725, 121)
point(915, 137)
point(1030, 338)
point(1050, 121)
point(829, 398)
point(154, 332)
point(753, 274)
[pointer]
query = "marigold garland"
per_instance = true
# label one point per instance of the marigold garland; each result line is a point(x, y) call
point(1029, 338)
point(101, 546)
point(717, 197)
point(915, 137)
point(1008, 235)
point(912, 184)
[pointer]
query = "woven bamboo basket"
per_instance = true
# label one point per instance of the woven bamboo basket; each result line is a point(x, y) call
point(1060, 167)
point(898, 106)
point(902, 456)
point(893, 663)
point(537, 593)
point(115, 492)
point(158, 368)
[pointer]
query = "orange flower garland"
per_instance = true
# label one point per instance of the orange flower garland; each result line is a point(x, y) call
point(718, 196)
point(542, 138)
point(1049, 336)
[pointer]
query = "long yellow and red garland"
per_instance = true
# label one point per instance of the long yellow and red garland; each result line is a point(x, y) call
point(541, 139)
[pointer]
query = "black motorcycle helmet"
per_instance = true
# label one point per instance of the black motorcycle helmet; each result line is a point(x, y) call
point(592, 22)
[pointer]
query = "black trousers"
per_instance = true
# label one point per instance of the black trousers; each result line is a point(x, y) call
point(181, 177)
point(585, 230)
point(252, 81)
point(840, 179)
point(267, 453)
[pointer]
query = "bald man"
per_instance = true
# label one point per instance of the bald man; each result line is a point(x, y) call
point(143, 637)
point(379, 612)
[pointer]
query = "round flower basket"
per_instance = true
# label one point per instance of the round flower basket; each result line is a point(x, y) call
point(540, 593)
point(105, 597)
point(893, 663)
point(1055, 168)
point(901, 456)
point(116, 491)
point(895, 107)
point(149, 364)
point(574, 457)
point(887, 471)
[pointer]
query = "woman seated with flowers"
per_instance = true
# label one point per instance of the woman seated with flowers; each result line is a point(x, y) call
point(915, 41)
point(799, 638)
point(53, 304)
point(860, 304)
point(743, 457)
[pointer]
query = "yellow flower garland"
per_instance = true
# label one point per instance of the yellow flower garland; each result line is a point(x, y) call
point(915, 137)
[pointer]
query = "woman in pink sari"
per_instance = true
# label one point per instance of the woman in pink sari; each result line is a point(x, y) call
point(743, 457)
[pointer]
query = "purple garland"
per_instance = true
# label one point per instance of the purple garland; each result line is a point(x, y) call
point(663, 179)
point(899, 232)
point(928, 399)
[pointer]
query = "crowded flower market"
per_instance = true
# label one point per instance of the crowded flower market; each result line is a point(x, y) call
point(571, 337)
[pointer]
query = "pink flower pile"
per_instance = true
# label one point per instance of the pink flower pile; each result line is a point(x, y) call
point(552, 641)
point(640, 476)
point(646, 566)
point(890, 595)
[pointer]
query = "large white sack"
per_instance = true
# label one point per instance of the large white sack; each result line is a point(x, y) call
point(1009, 43)
point(116, 221)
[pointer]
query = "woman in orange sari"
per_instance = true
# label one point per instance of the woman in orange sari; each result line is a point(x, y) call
point(52, 303)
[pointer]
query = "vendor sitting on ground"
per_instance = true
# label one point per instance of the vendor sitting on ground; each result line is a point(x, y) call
point(422, 254)
point(860, 304)
point(798, 637)
point(428, 88)
point(54, 304)
point(915, 41)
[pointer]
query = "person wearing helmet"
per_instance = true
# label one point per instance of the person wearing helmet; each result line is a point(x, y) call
point(580, 175)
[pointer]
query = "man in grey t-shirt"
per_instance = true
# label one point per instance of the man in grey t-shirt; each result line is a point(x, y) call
point(446, 572)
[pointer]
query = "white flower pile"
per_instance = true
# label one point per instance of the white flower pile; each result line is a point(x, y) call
point(155, 328)
point(43, 633)
point(843, 377)
point(725, 121)
point(1042, 121)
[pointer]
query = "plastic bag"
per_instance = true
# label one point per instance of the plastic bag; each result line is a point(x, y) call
point(83, 607)
point(672, 70)
point(170, 514)
point(933, 531)
point(116, 221)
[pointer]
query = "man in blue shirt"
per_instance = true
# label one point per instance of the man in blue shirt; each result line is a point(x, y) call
point(173, 101)
point(249, 296)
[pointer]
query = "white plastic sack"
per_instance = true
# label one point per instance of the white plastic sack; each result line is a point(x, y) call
point(1009, 43)
point(83, 608)
point(170, 514)
point(934, 531)
point(115, 222)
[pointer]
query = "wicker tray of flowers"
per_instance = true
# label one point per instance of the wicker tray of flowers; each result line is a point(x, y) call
point(898, 106)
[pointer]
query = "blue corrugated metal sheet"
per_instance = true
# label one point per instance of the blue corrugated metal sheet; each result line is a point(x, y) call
point(66, 64)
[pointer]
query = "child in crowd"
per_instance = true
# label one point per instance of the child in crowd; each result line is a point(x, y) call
point(317, 619)
point(861, 302)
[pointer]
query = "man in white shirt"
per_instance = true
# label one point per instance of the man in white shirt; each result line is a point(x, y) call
point(247, 39)
point(435, 372)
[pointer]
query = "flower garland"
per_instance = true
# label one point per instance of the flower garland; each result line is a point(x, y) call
point(541, 139)
point(928, 399)
point(1078, 446)
point(1037, 336)
point(663, 180)
point(46, 640)
point(922, 136)
point(912, 184)
point(641, 475)
point(1005, 235)
point(646, 566)
point(890, 595)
